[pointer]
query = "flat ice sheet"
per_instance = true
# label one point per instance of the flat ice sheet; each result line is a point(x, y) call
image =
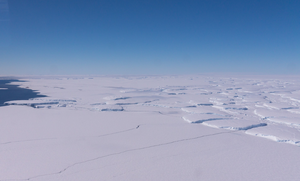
point(153, 128)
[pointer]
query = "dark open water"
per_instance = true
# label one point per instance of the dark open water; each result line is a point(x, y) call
point(13, 92)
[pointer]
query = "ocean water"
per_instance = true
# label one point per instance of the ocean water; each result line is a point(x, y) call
point(14, 92)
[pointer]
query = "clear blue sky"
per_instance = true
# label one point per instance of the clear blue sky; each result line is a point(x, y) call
point(149, 36)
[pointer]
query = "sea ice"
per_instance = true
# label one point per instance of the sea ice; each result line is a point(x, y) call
point(200, 127)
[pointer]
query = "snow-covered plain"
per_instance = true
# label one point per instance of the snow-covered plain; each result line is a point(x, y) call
point(153, 128)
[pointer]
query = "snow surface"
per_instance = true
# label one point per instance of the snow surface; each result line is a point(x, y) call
point(153, 128)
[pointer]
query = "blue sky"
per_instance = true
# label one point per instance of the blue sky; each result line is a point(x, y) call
point(41, 37)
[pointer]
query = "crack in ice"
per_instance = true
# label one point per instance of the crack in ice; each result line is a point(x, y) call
point(119, 153)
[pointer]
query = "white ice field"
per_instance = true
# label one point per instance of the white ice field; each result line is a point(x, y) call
point(155, 128)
